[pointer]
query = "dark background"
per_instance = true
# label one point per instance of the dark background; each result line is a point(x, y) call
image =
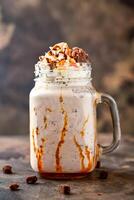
point(28, 27)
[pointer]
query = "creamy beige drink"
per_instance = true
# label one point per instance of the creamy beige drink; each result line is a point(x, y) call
point(63, 114)
point(62, 130)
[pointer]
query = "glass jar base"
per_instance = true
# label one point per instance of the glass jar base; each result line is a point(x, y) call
point(63, 176)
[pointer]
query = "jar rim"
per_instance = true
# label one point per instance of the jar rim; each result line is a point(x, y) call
point(80, 71)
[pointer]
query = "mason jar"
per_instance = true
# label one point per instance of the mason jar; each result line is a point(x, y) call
point(63, 135)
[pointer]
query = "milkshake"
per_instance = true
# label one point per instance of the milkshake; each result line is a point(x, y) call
point(63, 140)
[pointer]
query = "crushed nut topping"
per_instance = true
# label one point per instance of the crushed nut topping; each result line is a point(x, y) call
point(79, 54)
point(61, 55)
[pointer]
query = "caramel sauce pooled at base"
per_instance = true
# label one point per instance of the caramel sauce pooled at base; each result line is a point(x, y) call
point(62, 137)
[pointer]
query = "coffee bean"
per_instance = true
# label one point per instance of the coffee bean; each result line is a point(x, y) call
point(103, 174)
point(130, 99)
point(127, 84)
point(64, 189)
point(7, 169)
point(14, 187)
point(31, 179)
point(99, 194)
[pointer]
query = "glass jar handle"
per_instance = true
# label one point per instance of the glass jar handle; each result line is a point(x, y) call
point(105, 98)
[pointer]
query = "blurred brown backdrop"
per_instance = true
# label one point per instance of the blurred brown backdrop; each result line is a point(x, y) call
point(28, 27)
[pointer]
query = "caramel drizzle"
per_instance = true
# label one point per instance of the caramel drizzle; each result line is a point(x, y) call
point(45, 122)
point(38, 150)
point(62, 137)
point(37, 131)
point(88, 154)
point(45, 118)
point(80, 153)
point(34, 146)
point(82, 132)
point(49, 109)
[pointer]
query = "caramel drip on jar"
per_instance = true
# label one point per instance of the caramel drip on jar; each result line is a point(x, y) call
point(45, 122)
point(88, 154)
point(61, 99)
point(82, 132)
point(39, 158)
point(62, 137)
point(80, 153)
point(34, 146)
point(49, 109)
point(39, 151)
point(45, 117)
point(37, 131)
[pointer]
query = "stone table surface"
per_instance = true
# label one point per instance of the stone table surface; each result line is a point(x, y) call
point(119, 184)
